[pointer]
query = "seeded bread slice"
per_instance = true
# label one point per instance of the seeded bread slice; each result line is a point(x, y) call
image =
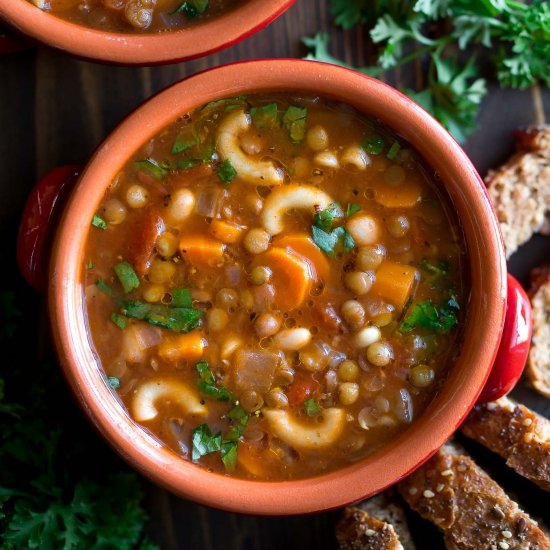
point(517, 434)
point(471, 509)
point(538, 364)
point(360, 524)
point(520, 189)
point(356, 530)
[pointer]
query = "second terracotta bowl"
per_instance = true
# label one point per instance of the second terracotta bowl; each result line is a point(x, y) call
point(482, 333)
point(203, 38)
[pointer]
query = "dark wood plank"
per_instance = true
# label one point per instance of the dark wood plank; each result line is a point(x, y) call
point(55, 110)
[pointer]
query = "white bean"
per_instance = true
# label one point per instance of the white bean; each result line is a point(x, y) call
point(292, 339)
point(180, 206)
point(366, 336)
point(364, 228)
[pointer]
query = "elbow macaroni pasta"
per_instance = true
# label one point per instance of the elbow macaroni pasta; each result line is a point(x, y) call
point(254, 172)
point(306, 437)
point(291, 197)
point(151, 391)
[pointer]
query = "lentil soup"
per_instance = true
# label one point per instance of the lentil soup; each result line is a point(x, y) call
point(275, 286)
point(136, 15)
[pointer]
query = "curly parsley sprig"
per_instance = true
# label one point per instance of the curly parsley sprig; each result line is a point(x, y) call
point(517, 35)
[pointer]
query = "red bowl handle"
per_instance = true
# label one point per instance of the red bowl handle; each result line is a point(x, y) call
point(36, 230)
point(11, 42)
point(514, 346)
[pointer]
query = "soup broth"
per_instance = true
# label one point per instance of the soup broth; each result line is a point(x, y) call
point(274, 286)
point(136, 15)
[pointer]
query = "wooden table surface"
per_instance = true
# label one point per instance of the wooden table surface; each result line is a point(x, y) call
point(55, 110)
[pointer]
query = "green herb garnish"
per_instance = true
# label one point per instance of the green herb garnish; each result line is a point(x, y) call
point(207, 383)
point(229, 455)
point(127, 276)
point(294, 120)
point(104, 287)
point(90, 265)
point(516, 35)
point(204, 442)
point(192, 8)
point(437, 269)
point(181, 297)
point(374, 146)
point(176, 319)
point(264, 116)
point(326, 238)
point(427, 315)
point(113, 382)
point(99, 222)
point(226, 172)
point(152, 167)
point(394, 149)
point(325, 218)
point(119, 320)
point(311, 407)
point(352, 209)
point(185, 140)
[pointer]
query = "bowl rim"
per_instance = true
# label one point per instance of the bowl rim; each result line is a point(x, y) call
point(201, 39)
point(426, 434)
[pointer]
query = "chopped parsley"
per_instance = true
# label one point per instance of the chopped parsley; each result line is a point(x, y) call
point(264, 116)
point(104, 287)
point(119, 320)
point(113, 382)
point(186, 164)
point(176, 319)
point(326, 238)
point(90, 264)
point(352, 209)
point(311, 407)
point(181, 297)
point(152, 167)
point(192, 8)
point(426, 315)
point(229, 455)
point(99, 222)
point(394, 149)
point(437, 269)
point(374, 146)
point(226, 172)
point(204, 442)
point(185, 140)
point(325, 218)
point(127, 276)
point(294, 121)
point(207, 383)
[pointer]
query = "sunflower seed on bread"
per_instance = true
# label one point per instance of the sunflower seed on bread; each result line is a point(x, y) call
point(516, 433)
point(471, 509)
point(520, 189)
point(538, 364)
point(382, 514)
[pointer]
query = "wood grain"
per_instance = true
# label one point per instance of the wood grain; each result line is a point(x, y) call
point(55, 110)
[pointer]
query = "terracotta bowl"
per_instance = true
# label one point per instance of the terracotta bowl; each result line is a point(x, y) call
point(486, 310)
point(142, 49)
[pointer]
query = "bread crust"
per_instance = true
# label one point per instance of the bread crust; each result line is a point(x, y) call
point(520, 188)
point(538, 363)
point(356, 530)
point(471, 509)
point(517, 434)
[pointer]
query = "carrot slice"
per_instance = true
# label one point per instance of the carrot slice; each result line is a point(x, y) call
point(405, 195)
point(291, 277)
point(183, 347)
point(303, 245)
point(198, 250)
point(227, 232)
point(395, 282)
